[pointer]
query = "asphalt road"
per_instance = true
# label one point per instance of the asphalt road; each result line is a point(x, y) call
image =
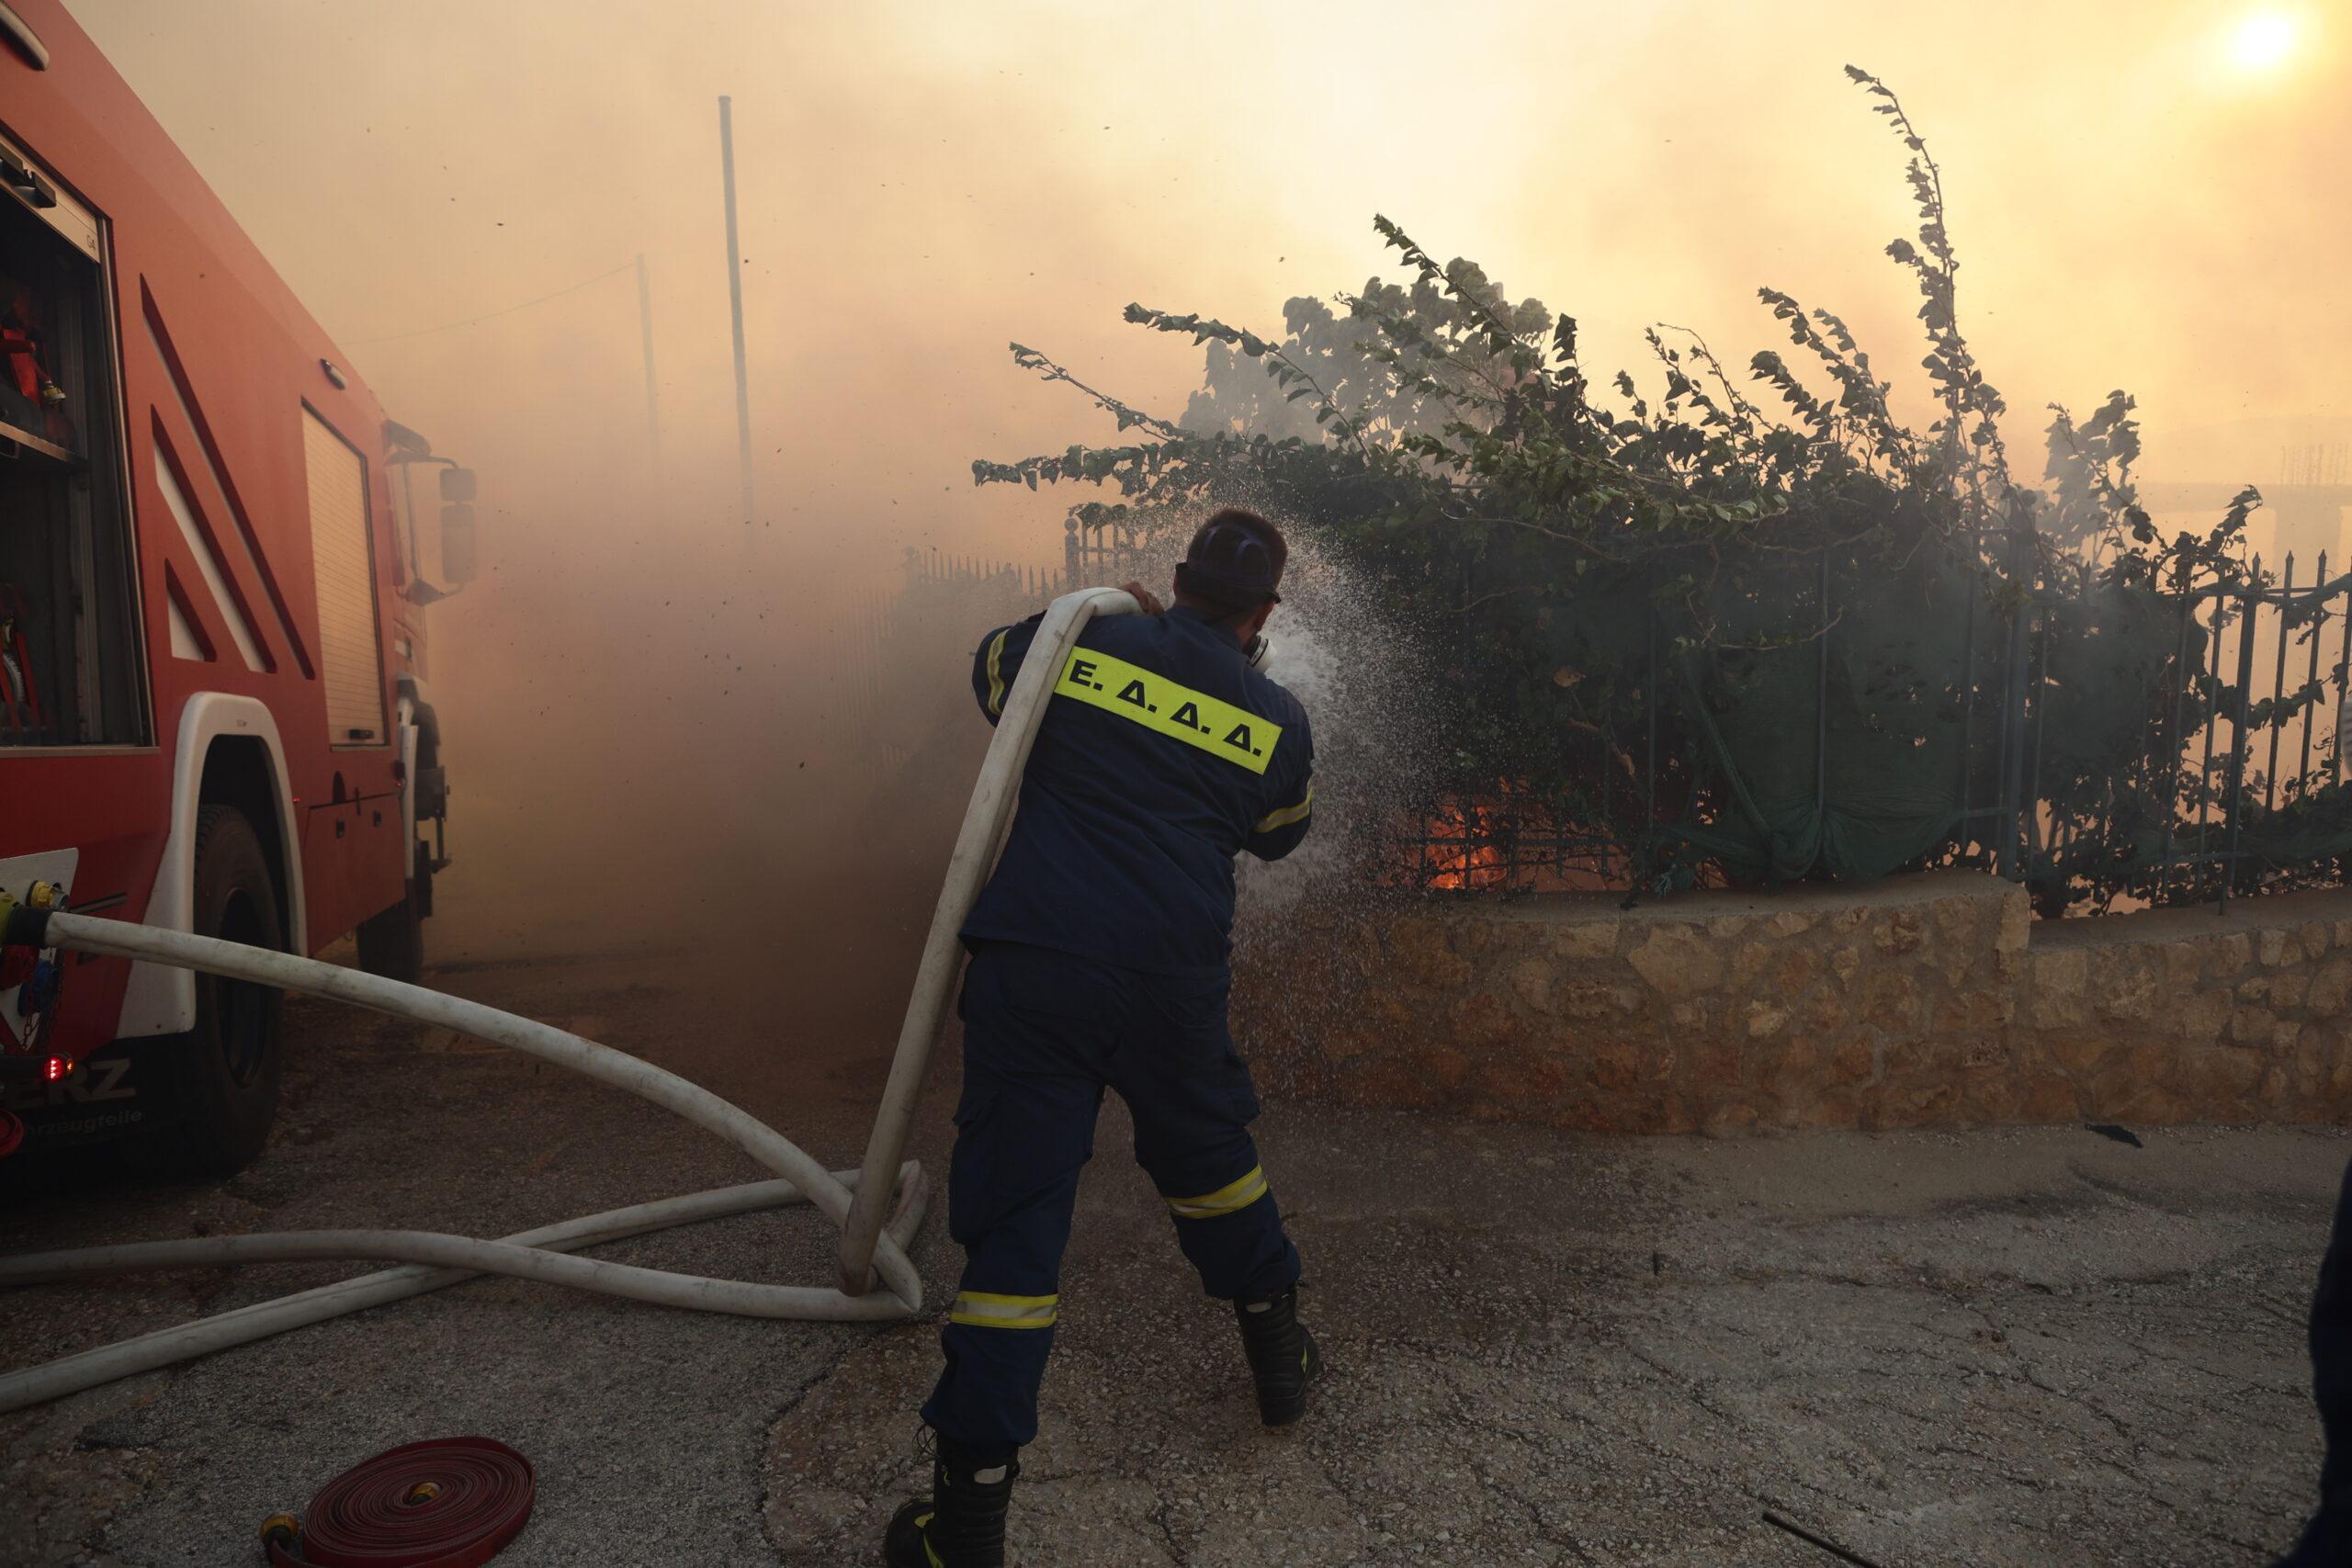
point(2004, 1347)
point(1995, 1350)
point(646, 1426)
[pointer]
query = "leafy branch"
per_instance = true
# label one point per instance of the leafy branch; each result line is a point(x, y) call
point(1974, 448)
point(1284, 370)
point(1128, 418)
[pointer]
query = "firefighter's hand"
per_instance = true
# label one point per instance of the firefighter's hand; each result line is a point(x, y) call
point(1145, 597)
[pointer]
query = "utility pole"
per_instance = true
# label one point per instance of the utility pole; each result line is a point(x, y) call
point(735, 294)
point(645, 320)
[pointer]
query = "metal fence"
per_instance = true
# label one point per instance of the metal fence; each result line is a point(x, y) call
point(1092, 554)
point(887, 646)
point(1509, 841)
point(2234, 786)
point(1102, 553)
point(2230, 784)
point(2227, 779)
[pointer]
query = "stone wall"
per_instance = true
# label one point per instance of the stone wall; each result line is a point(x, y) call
point(1927, 1001)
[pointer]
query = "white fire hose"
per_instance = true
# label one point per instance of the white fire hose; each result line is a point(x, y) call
point(872, 1251)
point(976, 842)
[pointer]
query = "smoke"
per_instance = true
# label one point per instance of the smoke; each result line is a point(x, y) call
point(651, 719)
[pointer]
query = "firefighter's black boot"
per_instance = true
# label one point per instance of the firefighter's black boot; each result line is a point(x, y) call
point(962, 1523)
point(1282, 1356)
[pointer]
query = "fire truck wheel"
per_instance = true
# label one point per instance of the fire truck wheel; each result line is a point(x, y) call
point(391, 943)
point(224, 1072)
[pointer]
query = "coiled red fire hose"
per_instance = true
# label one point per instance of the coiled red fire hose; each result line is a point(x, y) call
point(450, 1503)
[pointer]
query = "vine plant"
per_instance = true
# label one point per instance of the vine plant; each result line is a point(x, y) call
point(1635, 580)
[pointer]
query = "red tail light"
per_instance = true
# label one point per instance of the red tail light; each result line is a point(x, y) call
point(57, 1069)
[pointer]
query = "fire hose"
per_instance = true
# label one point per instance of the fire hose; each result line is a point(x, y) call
point(879, 1283)
point(451, 1503)
point(434, 1259)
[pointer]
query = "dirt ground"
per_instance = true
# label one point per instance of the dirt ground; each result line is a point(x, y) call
point(1999, 1347)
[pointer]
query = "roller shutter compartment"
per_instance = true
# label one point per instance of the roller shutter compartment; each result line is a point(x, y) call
point(350, 657)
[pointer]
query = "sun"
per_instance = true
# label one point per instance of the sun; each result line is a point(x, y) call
point(2264, 41)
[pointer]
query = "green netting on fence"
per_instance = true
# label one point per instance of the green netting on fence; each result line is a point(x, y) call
point(1833, 716)
point(1847, 754)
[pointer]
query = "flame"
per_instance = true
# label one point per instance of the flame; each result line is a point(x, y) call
point(1463, 854)
point(1486, 844)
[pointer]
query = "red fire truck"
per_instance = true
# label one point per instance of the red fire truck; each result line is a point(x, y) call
point(213, 709)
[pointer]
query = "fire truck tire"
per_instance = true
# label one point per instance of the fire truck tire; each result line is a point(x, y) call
point(392, 942)
point(224, 1073)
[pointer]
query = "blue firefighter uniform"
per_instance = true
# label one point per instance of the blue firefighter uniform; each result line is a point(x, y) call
point(2327, 1540)
point(1099, 959)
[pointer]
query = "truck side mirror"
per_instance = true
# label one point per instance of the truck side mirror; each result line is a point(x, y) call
point(458, 539)
point(457, 484)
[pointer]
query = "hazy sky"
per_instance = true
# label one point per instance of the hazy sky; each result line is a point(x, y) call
point(2147, 195)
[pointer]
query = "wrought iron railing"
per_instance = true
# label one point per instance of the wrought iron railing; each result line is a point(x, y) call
point(2233, 782)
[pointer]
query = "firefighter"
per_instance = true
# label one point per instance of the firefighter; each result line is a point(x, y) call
point(2327, 1538)
point(1099, 959)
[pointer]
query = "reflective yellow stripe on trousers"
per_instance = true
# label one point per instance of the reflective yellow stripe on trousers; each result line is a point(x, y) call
point(979, 1309)
point(1228, 1198)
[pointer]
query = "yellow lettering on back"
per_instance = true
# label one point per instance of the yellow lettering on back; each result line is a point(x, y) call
point(1244, 739)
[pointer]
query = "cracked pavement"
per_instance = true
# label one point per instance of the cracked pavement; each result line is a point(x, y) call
point(1992, 1348)
point(644, 1426)
point(1997, 1348)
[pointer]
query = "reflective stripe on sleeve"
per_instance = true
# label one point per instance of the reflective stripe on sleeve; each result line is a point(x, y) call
point(978, 1309)
point(1231, 1198)
point(1287, 815)
point(996, 679)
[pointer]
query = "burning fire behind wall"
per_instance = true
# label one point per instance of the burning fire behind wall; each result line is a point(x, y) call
point(1499, 843)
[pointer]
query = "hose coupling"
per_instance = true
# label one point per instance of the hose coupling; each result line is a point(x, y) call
point(22, 925)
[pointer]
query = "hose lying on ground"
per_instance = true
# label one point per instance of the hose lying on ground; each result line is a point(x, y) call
point(438, 1259)
point(448, 1502)
point(243, 1326)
